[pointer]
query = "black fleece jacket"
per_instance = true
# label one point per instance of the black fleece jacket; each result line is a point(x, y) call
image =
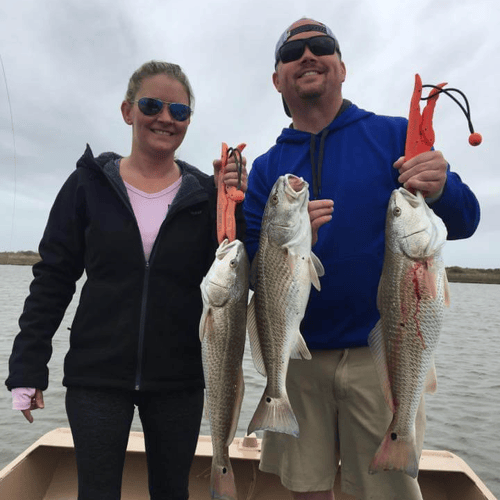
point(137, 323)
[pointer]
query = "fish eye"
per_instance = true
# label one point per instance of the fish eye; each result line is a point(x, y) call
point(397, 211)
point(232, 263)
point(274, 199)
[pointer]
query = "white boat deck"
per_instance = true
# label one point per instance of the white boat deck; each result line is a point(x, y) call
point(49, 465)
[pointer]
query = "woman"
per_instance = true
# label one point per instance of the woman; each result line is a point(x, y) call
point(143, 228)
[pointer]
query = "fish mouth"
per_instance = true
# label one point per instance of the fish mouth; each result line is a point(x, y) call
point(226, 247)
point(294, 185)
point(414, 233)
point(218, 285)
point(283, 226)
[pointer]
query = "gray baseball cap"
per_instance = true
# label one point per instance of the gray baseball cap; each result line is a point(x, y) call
point(288, 33)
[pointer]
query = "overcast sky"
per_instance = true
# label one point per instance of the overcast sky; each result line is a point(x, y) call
point(67, 65)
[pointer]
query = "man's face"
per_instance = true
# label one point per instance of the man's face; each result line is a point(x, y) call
point(310, 77)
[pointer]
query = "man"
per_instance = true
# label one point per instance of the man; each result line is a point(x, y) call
point(355, 158)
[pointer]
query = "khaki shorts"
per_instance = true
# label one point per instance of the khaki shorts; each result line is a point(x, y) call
point(342, 416)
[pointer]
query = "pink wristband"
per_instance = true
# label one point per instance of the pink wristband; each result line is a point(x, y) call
point(21, 398)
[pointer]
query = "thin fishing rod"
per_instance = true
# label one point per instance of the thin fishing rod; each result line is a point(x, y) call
point(15, 154)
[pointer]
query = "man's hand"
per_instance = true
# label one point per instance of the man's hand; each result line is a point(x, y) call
point(320, 212)
point(425, 172)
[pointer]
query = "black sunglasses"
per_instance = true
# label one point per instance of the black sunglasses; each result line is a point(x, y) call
point(318, 45)
point(151, 106)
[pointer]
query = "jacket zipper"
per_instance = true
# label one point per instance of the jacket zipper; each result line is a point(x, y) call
point(144, 295)
point(142, 327)
point(144, 301)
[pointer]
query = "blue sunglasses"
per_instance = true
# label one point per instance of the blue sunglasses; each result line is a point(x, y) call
point(151, 106)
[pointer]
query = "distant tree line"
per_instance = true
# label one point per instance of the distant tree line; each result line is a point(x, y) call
point(454, 273)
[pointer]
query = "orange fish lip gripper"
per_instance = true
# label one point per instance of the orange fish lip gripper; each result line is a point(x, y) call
point(420, 136)
point(228, 197)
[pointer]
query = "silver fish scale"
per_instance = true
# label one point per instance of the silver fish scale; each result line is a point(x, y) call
point(284, 269)
point(412, 294)
point(222, 332)
point(280, 299)
point(222, 354)
point(411, 328)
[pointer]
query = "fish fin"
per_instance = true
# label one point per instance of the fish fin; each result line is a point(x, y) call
point(253, 335)
point(240, 391)
point(291, 258)
point(379, 294)
point(316, 269)
point(320, 270)
point(253, 271)
point(205, 408)
point(202, 326)
point(274, 414)
point(206, 322)
point(396, 454)
point(314, 272)
point(379, 354)
point(431, 378)
point(446, 291)
point(426, 278)
point(222, 483)
point(300, 350)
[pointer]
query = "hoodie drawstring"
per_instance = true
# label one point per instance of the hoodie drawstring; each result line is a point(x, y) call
point(317, 167)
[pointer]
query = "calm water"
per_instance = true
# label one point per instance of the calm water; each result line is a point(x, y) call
point(462, 417)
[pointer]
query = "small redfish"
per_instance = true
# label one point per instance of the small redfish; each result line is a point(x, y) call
point(222, 333)
point(282, 272)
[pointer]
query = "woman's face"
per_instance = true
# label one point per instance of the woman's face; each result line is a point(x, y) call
point(158, 134)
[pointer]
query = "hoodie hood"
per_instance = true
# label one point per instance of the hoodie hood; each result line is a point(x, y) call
point(105, 164)
point(348, 114)
point(88, 160)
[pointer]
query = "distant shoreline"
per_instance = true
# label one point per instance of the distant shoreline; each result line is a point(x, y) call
point(27, 258)
point(455, 274)
point(468, 275)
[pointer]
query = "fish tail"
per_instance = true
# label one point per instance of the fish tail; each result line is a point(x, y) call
point(396, 453)
point(274, 414)
point(222, 483)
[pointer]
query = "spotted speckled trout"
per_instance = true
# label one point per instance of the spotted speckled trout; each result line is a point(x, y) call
point(222, 333)
point(412, 294)
point(282, 272)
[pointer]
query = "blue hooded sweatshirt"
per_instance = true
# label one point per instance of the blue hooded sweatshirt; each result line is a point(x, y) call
point(349, 162)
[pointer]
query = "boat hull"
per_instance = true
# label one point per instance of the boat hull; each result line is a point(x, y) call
point(50, 466)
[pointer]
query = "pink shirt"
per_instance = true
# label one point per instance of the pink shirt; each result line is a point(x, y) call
point(150, 210)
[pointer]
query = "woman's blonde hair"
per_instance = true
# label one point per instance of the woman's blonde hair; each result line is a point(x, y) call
point(153, 68)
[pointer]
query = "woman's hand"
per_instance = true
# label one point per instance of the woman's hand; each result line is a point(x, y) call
point(231, 176)
point(27, 399)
